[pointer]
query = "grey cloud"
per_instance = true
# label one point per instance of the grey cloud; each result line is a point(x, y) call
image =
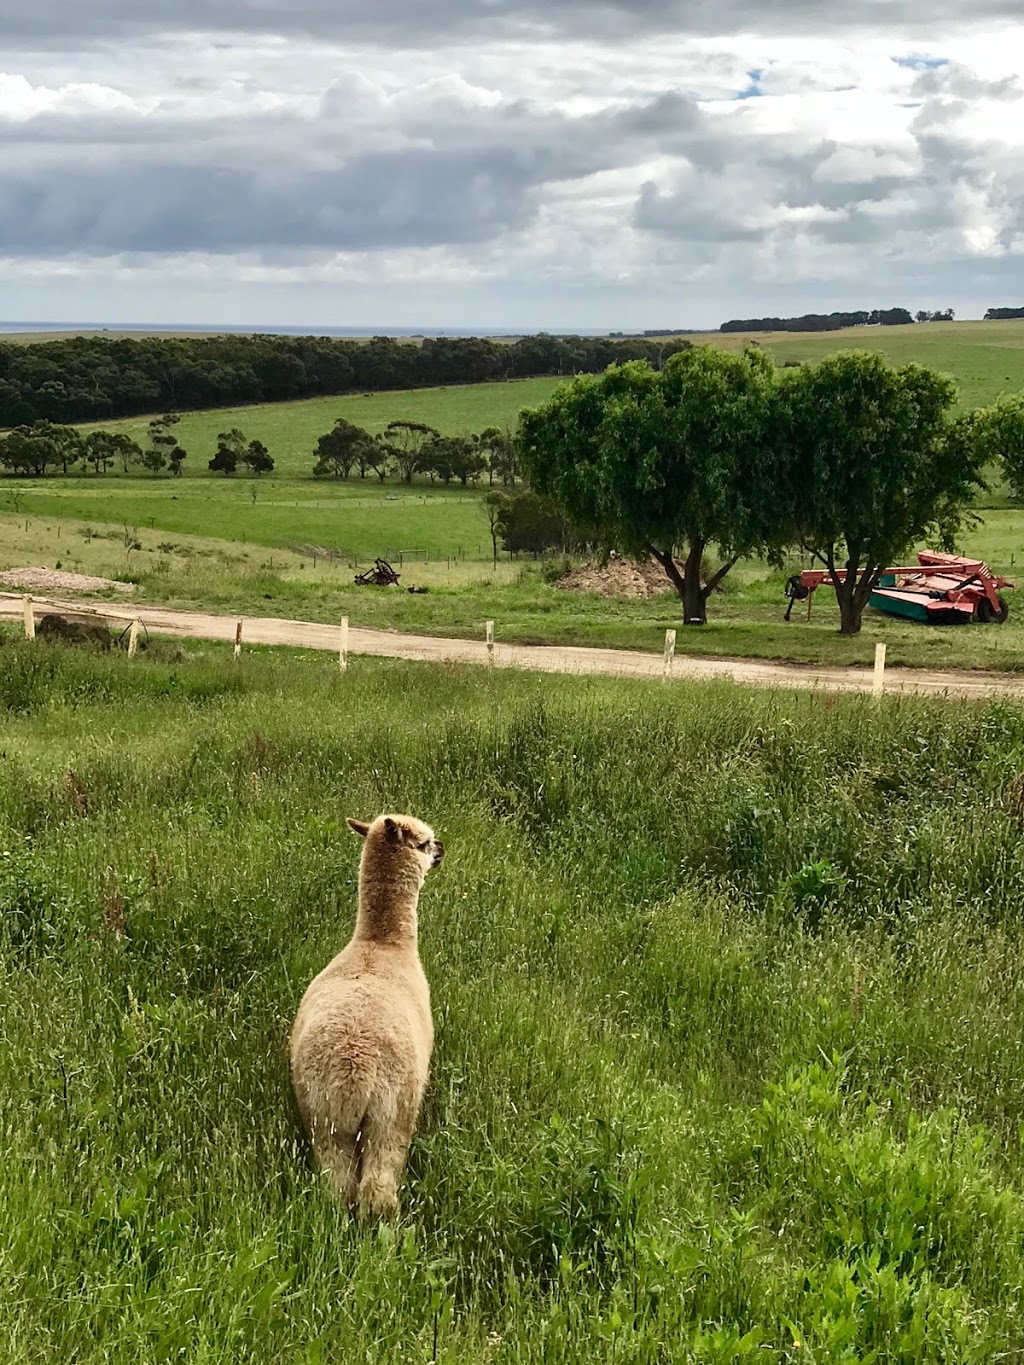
point(402, 199)
point(62, 24)
point(957, 82)
point(107, 183)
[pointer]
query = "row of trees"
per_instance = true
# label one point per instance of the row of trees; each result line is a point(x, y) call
point(408, 448)
point(851, 460)
point(404, 448)
point(824, 322)
point(33, 449)
point(36, 448)
point(1003, 314)
point(84, 379)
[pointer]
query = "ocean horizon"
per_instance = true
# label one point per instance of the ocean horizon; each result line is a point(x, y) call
point(269, 329)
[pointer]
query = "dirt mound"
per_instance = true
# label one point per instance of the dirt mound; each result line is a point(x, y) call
point(57, 580)
point(617, 578)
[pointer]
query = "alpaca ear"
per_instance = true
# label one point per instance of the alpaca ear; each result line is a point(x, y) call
point(391, 830)
point(360, 827)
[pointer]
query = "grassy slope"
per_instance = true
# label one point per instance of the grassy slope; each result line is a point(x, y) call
point(985, 358)
point(290, 430)
point(730, 1015)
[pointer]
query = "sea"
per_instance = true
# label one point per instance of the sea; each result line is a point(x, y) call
point(250, 329)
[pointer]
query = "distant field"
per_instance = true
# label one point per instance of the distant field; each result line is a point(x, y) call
point(362, 520)
point(985, 358)
point(290, 430)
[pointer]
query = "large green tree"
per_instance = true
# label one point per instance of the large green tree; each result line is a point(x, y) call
point(405, 442)
point(874, 463)
point(665, 463)
point(164, 442)
point(1000, 429)
point(340, 448)
point(103, 448)
point(257, 458)
point(32, 449)
point(231, 448)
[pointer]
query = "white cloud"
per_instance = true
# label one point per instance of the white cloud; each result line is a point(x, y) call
point(460, 159)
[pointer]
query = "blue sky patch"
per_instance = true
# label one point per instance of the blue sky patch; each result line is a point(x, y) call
point(752, 90)
point(920, 61)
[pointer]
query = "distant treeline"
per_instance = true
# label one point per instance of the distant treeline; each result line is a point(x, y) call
point(85, 379)
point(1001, 314)
point(822, 322)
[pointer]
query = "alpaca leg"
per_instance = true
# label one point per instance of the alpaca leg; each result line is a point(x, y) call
point(339, 1159)
point(386, 1144)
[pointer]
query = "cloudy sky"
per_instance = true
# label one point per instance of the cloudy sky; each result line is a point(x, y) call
point(520, 164)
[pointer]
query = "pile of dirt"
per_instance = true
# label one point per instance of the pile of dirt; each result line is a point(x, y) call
point(57, 580)
point(618, 578)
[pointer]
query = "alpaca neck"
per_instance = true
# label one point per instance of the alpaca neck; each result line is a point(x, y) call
point(387, 905)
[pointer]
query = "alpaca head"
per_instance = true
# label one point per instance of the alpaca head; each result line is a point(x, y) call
point(402, 836)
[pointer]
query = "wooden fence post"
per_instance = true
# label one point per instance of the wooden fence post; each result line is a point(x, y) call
point(490, 641)
point(238, 638)
point(30, 619)
point(343, 645)
point(133, 638)
point(670, 652)
point(878, 685)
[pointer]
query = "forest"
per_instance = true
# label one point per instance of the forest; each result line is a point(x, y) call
point(93, 378)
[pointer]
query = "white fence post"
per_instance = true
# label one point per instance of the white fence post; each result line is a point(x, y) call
point(133, 638)
point(238, 638)
point(878, 686)
point(30, 619)
point(343, 645)
point(490, 641)
point(670, 652)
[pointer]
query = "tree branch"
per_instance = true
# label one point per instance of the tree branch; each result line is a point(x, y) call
point(717, 577)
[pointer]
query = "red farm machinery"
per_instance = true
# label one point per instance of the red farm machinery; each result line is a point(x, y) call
point(939, 589)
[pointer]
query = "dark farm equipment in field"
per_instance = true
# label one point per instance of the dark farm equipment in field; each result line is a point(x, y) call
point(382, 575)
point(940, 590)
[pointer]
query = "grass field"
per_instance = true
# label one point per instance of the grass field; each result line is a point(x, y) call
point(745, 621)
point(985, 358)
point(246, 526)
point(729, 999)
point(290, 430)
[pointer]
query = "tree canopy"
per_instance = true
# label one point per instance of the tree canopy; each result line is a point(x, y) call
point(873, 462)
point(341, 448)
point(1001, 432)
point(665, 463)
point(96, 378)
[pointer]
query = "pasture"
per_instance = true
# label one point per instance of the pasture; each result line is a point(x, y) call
point(228, 543)
point(745, 620)
point(985, 358)
point(290, 430)
point(729, 1004)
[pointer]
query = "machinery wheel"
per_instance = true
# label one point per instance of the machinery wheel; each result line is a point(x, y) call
point(986, 613)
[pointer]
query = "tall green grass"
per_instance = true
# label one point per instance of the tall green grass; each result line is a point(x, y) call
point(729, 992)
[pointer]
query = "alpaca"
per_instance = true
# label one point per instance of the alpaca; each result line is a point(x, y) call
point(362, 1038)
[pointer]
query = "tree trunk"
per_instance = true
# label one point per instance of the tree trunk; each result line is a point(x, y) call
point(687, 583)
point(849, 611)
point(694, 601)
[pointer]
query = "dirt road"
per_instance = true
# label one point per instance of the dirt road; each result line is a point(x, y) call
point(268, 630)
